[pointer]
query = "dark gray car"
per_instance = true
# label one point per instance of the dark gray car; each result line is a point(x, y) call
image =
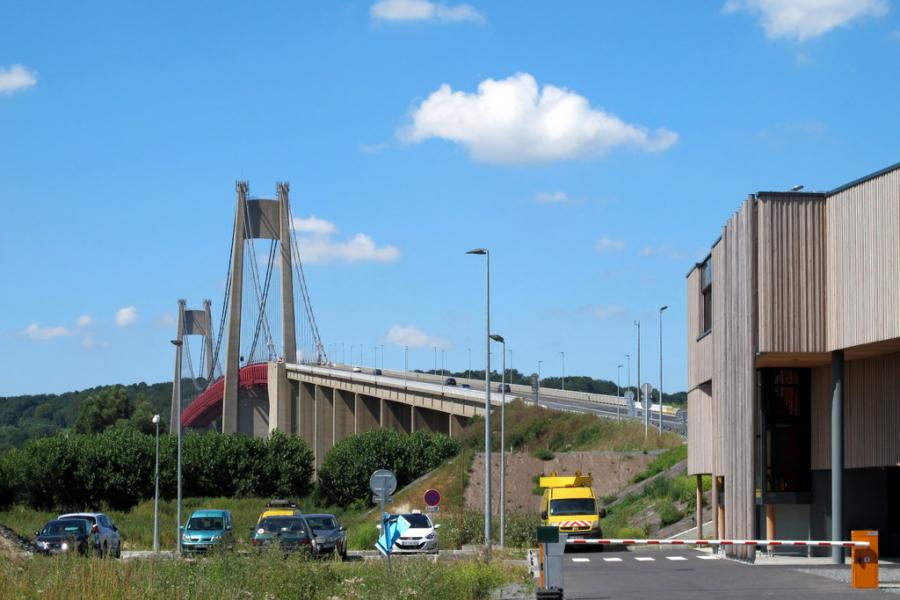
point(106, 534)
point(328, 535)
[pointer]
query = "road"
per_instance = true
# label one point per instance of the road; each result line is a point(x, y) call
point(687, 574)
point(476, 391)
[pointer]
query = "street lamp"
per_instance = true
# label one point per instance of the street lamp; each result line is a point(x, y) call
point(499, 338)
point(406, 359)
point(628, 358)
point(645, 408)
point(435, 359)
point(618, 387)
point(177, 393)
point(487, 399)
point(469, 371)
point(537, 401)
point(442, 361)
point(563, 371)
point(661, 309)
point(156, 492)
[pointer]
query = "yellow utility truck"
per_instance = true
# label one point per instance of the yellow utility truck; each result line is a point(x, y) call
point(568, 502)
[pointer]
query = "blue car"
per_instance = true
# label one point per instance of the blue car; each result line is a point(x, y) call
point(207, 529)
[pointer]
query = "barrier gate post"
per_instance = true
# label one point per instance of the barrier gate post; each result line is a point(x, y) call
point(864, 565)
point(552, 549)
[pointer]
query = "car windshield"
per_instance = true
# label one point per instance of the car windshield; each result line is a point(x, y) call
point(205, 524)
point(572, 506)
point(89, 518)
point(418, 521)
point(274, 524)
point(66, 527)
point(321, 523)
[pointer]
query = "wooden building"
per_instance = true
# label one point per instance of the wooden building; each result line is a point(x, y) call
point(794, 359)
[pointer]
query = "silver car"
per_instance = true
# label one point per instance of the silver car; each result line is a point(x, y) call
point(107, 540)
point(328, 536)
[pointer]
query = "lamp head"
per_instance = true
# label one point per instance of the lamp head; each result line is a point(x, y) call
point(498, 338)
point(478, 251)
point(663, 307)
point(155, 419)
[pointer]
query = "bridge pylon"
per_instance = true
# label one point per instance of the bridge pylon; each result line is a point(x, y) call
point(192, 322)
point(257, 219)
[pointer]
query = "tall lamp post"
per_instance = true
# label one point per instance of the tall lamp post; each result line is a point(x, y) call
point(156, 491)
point(563, 371)
point(469, 372)
point(646, 409)
point(487, 399)
point(628, 359)
point(661, 309)
point(618, 388)
point(177, 393)
point(499, 338)
point(538, 397)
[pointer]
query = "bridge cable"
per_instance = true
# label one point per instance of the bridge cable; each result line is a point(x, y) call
point(321, 357)
point(260, 299)
point(221, 335)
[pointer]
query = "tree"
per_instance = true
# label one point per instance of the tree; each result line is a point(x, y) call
point(102, 409)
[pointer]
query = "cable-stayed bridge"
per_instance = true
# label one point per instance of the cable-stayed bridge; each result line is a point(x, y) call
point(263, 366)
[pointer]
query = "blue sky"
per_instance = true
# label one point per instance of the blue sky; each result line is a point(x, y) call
point(595, 148)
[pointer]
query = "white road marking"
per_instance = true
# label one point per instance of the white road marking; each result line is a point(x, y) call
point(708, 557)
point(613, 559)
point(644, 558)
point(676, 558)
point(581, 560)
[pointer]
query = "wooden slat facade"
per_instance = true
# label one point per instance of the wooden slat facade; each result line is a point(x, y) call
point(863, 253)
point(702, 416)
point(700, 362)
point(791, 265)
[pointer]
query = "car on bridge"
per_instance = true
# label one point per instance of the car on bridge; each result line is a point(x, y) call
point(107, 540)
point(504, 387)
point(450, 381)
point(207, 529)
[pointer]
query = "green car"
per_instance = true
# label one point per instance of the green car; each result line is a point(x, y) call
point(291, 533)
point(207, 529)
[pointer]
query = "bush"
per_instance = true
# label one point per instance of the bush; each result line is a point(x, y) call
point(344, 475)
point(543, 454)
point(114, 469)
point(667, 512)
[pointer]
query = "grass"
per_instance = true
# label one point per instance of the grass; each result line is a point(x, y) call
point(663, 462)
point(267, 576)
point(531, 428)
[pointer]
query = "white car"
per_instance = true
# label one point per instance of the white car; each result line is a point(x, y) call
point(357, 370)
point(420, 538)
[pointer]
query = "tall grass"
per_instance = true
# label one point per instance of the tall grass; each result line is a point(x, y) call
point(266, 576)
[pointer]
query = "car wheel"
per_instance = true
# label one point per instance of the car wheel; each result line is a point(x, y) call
point(118, 553)
point(104, 550)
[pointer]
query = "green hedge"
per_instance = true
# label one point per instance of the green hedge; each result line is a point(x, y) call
point(114, 469)
point(344, 475)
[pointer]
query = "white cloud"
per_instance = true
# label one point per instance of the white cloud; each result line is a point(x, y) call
point(317, 246)
point(800, 20)
point(513, 121)
point(40, 334)
point(16, 78)
point(610, 311)
point(407, 335)
point(423, 10)
point(126, 316)
point(84, 321)
point(314, 225)
point(551, 197)
point(168, 320)
point(663, 251)
point(606, 244)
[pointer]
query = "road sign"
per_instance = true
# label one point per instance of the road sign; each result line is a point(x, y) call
point(432, 497)
point(432, 508)
point(387, 499)
point(383, 482)
point(629, 395)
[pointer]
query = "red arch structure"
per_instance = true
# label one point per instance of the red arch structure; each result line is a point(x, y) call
point(207, 407)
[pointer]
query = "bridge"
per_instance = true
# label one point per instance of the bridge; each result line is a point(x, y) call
point(287, 383)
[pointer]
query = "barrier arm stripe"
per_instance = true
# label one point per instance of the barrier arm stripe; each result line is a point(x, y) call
point(820, 543)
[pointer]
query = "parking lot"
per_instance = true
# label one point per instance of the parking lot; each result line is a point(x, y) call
point(689, 574)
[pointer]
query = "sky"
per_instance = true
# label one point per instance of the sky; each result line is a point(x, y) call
point(595, 148)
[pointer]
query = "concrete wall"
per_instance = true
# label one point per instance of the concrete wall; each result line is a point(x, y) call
point(253, 412)
point(324, 423)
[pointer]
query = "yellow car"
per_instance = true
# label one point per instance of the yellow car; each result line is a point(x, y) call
point(279, 508)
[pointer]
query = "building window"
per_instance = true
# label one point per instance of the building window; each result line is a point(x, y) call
point(705, 296)
point(786, 424)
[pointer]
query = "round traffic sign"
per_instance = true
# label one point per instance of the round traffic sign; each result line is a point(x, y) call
point(432, 497)
point(383, 482)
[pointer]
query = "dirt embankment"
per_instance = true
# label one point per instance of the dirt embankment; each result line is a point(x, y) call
point(611, 471)
point(12, 545)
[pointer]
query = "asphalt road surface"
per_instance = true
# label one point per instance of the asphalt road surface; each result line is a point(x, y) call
point(686, 574)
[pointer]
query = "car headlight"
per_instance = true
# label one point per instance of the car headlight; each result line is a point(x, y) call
point(64, 546)
point(43, 545)
point(430, 536)
point(185, 538)
point(215, 538)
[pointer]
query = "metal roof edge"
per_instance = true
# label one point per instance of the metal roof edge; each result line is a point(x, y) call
point(864, 179)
